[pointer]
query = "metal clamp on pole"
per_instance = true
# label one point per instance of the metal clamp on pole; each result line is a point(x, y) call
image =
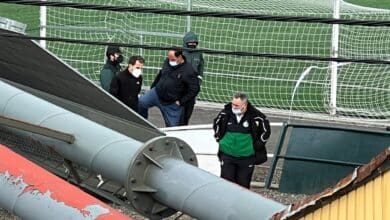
point(139, 193)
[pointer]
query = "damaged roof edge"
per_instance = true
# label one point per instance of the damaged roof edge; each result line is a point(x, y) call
point(361, 175)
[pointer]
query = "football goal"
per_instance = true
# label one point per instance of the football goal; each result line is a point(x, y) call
point(329, 89)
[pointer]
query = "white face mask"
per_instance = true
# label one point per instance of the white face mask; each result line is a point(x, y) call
point(236, 111)
point(173, 63)
point(136, 72)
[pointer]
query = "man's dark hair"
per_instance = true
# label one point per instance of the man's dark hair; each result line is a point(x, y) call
point(242, 96)
point(178, 53)
point(134, 59)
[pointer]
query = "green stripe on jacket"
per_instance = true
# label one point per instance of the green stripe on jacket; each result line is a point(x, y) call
point(237, 144)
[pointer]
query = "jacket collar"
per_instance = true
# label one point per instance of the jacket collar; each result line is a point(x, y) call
point(109, 64)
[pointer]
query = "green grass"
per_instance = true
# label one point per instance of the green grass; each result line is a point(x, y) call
point(26, 14)
point(269, 82)
point(385, 4)
point(30, 14)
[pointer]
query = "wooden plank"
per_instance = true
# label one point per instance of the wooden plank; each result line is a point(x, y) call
point(369, 202)
point(343, 208)
point(360, 204)
point(378, 206)
point(334, 209)
point(325, 212)
point(386, 195)
point(351, 201)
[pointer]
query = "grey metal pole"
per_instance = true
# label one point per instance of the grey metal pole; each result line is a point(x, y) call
point(335, 54)
point(95, 146)
point(43, 24)
point(159, 175)
point(206, 196)
point(188, 18)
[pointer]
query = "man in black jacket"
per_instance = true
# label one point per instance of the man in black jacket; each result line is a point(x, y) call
point(127, 84)
point(242, 132)
point(175, 85)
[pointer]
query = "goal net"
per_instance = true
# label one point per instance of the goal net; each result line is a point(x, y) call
point(362, 90)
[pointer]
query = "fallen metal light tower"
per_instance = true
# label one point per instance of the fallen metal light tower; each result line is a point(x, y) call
point(31, 192)
point(159, 175)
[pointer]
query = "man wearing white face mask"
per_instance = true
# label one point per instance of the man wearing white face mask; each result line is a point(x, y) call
point(127, 84)
point(174, 86)
point(242, 132)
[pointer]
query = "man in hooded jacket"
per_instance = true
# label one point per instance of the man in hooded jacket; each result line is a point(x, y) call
point(195, 58)
point(112, 66)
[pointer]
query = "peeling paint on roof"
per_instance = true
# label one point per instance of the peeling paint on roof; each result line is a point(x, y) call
point(28, 190)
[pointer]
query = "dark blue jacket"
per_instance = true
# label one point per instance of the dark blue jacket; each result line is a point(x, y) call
point(179, 83)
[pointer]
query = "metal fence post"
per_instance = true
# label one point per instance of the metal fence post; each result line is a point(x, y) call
point(275, 159)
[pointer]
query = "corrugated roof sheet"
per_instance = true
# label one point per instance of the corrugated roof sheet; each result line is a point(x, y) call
point(361, 175)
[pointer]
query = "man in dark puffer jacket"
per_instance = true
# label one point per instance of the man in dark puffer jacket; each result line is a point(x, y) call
point(175, 84)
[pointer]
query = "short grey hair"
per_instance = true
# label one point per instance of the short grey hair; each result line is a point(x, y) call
point(241, 95)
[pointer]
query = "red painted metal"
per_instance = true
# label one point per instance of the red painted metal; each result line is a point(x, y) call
point(38, 179)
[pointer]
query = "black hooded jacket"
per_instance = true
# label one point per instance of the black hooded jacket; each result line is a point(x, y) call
point(178, 83)
point(194, 57)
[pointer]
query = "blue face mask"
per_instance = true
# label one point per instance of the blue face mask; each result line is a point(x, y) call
point(173, 63)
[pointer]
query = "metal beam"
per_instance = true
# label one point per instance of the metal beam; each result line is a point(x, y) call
point(312, 159)
point(119, 124)
point(25, 126)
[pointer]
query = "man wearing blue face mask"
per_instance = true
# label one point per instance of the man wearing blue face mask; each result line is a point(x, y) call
point(175, 85)
point(242, 132)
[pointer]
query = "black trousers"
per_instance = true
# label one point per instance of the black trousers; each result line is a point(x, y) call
point(187, 112)
point(237, 169)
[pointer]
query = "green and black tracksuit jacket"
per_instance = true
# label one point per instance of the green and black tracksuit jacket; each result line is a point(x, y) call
point(244, 138)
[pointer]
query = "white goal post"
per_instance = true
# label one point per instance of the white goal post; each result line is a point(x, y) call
point(356, 91)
